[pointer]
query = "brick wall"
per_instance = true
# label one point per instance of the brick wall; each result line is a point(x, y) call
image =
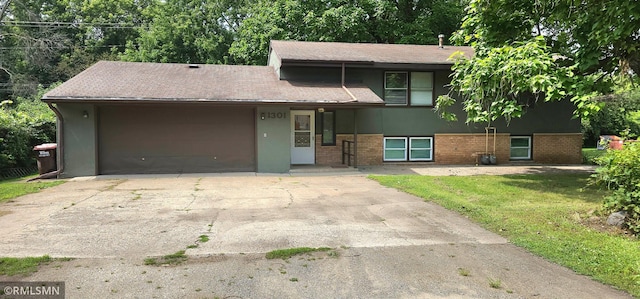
point(557, 148)
point(548, 148)
point(463, 148)
point(369, 150)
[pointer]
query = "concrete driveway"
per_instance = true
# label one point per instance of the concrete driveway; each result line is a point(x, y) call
point(386, 244)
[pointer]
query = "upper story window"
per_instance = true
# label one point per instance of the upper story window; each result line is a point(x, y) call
point(408, 88)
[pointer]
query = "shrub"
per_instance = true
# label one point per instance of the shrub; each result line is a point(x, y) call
point(621, 112)
point(619, 171)
point(23, 124)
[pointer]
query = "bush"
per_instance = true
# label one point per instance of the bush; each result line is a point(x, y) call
point(619, 171)
point(23, 124)
point(621, 112)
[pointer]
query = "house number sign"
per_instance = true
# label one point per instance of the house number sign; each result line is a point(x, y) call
point(274, 115)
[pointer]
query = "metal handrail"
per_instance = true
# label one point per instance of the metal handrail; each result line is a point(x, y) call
point(346, 155)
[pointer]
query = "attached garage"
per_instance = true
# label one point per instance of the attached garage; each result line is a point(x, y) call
point(175, 139)
point(145, 118)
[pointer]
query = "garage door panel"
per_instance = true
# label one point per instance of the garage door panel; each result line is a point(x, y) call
point(169, 139)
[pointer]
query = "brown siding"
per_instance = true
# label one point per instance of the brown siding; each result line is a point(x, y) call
point(463, 148)
point(369, 150)
point(557, 148)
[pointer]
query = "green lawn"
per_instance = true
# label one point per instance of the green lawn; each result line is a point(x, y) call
point(17, 187)
point(588, 154)
point(22, 266)
point(11, 189)
point(546, 214)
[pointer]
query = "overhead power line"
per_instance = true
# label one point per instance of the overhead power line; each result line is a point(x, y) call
point(55, 24)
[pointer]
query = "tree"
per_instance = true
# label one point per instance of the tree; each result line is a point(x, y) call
point(500, 82)
point(186, 31)
point(598, 37)
point(621, 113)
point(46, 41)
point(592, 41)
point(403, 21)
point(27, 49)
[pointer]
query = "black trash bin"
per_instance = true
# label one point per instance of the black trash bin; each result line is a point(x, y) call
point(46, 154)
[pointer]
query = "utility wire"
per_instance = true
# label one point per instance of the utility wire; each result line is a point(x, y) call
point(56, 24)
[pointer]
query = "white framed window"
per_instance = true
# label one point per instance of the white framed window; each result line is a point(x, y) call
point(395, 149)
point(396, 85)
point(408, 88)
point(408, 149)
point(420, 148)
point(520, 148)
point(421, 89)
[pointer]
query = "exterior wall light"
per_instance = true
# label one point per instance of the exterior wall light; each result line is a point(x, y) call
point(85, 114)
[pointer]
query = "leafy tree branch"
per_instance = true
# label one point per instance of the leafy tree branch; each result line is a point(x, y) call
point(502, 82)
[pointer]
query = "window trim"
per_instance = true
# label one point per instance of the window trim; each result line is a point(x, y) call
point(408, 102)
point(407, 149)
point(406, 89)
point(529, 148)
point(384, 150)
point(333, 137)
point(430, 149)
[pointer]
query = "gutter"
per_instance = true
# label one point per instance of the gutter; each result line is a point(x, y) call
point(60, 149)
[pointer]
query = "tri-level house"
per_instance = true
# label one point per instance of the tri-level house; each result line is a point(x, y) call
point(315, 103)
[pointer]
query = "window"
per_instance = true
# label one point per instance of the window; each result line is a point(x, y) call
point(520, 148)
point(408, 88)
point(421, 89)
point(420, 148)
point(395, 88)
point(395, 149)
point(328, 128)
point(408, 149)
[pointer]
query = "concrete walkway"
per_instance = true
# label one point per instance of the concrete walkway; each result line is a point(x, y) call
point(384, 243)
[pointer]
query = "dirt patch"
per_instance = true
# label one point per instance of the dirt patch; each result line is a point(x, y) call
point(2, 213)
point(599, 223)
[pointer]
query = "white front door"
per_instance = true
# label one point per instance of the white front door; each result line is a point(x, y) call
point(303, 137)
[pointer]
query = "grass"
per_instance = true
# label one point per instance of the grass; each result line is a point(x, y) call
point(169, 259)
point(287, 253)
point(546, 214)
point(495, 283)
point(589, 154)
point(22, 266)
point(203, 238)
point(463, 272)
point(13, 188)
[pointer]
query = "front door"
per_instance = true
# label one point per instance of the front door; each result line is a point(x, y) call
point(303, 137)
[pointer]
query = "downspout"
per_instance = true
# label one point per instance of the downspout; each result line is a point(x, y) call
point(353, 98)
point(355, 119)
point(59, 149)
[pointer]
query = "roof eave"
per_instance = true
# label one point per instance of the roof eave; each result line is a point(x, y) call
point(105, 100)
point(322, 61)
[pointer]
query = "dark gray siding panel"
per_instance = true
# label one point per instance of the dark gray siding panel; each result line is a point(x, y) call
point(422, 121)
point(169, 139)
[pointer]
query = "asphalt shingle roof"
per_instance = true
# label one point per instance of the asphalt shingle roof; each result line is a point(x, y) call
point(136, 81)
point(296, 51)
